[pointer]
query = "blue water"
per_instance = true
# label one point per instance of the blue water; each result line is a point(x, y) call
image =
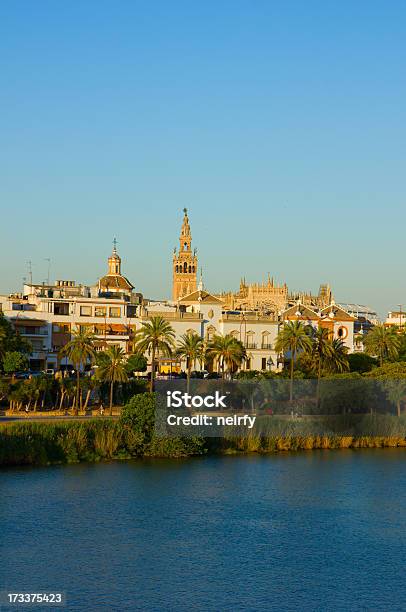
point(319, 530)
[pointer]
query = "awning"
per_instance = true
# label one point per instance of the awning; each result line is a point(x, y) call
point(28, 322)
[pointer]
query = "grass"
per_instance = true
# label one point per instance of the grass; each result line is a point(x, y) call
point(39, 443)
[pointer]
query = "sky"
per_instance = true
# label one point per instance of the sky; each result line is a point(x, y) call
point(281, 126)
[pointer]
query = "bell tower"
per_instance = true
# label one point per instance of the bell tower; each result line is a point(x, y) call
point(184, 264)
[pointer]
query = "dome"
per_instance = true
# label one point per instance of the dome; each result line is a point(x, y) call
point(115, 281)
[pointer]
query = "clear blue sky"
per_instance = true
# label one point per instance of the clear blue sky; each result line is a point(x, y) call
point(281, 126)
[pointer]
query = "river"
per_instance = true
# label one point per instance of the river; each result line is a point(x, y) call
point(317, 530)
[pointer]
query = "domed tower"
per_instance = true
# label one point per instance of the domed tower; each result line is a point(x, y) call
point(114, 281)
point(184, 263)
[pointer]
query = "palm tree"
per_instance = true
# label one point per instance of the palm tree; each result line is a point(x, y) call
point(80, 349)
point(383, 342)
point(319, 352)
point(112, 369)
point(227, 350)
point(190, 347)
point(292, 337)
point(156, 335)
point(337, 359)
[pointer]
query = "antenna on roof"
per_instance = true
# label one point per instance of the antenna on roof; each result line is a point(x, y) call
point(48, 259)
point(30, 270)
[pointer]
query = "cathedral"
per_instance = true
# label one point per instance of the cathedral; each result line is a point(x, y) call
point(267, 297)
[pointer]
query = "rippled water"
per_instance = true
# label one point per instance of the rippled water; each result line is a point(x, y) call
point(307, 531)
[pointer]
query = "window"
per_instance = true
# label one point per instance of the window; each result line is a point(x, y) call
point(250, 344)
point(210, 333)
point(131, 311)
point(266, 343)
point(263, 363)
point(85, 311)
point(61, 328)
point(61, 308)
point(100, 311)
point(342, 332)
point(115, 311)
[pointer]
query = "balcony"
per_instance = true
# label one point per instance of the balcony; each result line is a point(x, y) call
point(250, 345)
point(266, 346)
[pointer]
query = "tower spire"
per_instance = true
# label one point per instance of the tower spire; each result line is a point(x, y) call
point(184, 263)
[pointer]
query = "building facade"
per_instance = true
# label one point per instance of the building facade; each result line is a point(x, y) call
point(113, 312)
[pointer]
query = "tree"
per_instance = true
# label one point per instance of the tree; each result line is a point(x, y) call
point(293, 338)
point(14, 361)
point(190, 347)
point(10, 340)
point(361, 362)
point(155, 336)
point(318, 352)
point(382, 342)
point(112, 369)
point(336, 361)
point(392, 379)
point(136, 363)
point(80, 349)
point(227, 350)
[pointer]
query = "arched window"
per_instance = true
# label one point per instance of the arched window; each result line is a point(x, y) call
point(185, 246)
point(193, 269)
point(210, 333)
point(185, 267)
point(250, 339)
point(177, 268)
point(190, 269)
point(266, 340)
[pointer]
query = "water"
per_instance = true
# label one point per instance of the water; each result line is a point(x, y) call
point(308, 531)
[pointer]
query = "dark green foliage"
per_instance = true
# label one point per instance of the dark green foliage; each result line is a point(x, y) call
point(10, 341)
point(361, 362)
point(136, 363)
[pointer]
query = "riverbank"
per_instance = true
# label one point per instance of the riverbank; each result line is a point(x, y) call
point(44, 443)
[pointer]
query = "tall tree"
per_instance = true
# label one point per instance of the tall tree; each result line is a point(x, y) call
point(112, 369)
point(318, 351)
point(293, 338)
point(190, 347)
point(155, 336)
point(382, 342)
point(337, 360)
point(80, 350)
point(227, 351)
